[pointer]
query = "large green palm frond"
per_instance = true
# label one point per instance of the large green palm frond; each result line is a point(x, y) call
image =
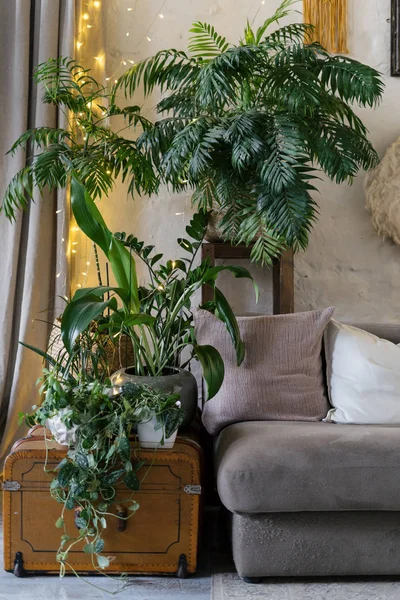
point(88, 147)
point(289, 34)
point(168, 69)
point(283, 10)
point(40, 136)
point(206, 43)
point(268, 114)
point(67, 83)
point(18, 193)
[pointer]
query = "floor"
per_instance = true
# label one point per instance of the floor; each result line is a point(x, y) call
point(215, 579)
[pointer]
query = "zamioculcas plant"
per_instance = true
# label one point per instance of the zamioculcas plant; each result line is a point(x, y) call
point(157, 317)
point(250, 126)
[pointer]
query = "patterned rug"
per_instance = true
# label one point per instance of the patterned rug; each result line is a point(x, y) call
point(229, 586)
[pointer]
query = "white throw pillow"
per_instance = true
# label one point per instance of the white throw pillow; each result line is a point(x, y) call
point(363, 376)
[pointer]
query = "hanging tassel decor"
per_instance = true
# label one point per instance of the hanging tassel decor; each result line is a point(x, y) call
point(329, 18)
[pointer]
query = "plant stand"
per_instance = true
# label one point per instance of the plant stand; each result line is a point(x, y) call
point(282, 273)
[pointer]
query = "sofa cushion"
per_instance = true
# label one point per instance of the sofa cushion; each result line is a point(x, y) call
point(281, 377)
point(363, 376)
point(283, 467)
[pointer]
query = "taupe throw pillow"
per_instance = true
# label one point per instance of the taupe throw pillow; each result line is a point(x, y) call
point(281, 377)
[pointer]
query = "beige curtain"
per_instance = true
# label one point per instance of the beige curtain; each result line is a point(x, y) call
point(33, 263)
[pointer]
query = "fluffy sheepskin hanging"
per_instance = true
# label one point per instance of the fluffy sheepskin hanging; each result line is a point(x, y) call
point(329, 18)
point(382, 188)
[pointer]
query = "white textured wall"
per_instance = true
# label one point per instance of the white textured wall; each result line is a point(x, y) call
point(346, 265)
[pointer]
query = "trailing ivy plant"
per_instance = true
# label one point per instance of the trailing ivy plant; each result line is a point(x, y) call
point(100, 455)
point(251, 126)
point(148, 402)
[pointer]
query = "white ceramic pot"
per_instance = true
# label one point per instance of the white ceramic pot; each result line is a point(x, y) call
point(62, 435)
point(152, 438)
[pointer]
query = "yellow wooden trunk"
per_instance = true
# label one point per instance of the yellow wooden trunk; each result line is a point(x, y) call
point(160, 537)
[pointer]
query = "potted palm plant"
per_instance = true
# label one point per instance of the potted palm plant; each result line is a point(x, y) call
point(250, 126)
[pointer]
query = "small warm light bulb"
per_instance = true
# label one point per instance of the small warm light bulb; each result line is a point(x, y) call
point(96, 57)
point(84, 273)
point(127, 34)
point(78, 285)
point(115, 80)
point(89, 104)
point(148, 38)
point(81, 114)
point(58, 211)
point(89, 26)
point(173, 264)
point(73, 251)
point(75, 228)
point(108, 172)
point(74, 243)
point(108, 78)
point(124, 62)
point(79, 44)
point(63, 239)
point(88, 263)
point(129, 9)
point(58, 274)
point(96, 4)
point(132, 62)
point(161, 16)
point(160, 287)
point(85, 16)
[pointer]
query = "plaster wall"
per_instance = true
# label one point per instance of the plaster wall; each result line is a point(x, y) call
point(346, 264)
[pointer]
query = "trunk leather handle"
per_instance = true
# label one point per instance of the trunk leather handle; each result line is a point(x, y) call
point(121, 520)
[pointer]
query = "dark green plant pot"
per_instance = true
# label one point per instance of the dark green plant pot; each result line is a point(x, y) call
point(176, 380)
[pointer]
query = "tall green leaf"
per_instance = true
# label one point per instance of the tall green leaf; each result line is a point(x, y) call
point(213, 368)
point(90, 221)
point(78, 315)
point(221, 308)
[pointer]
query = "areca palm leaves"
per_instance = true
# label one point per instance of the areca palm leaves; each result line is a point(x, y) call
point(250, 126)
point(88, 147)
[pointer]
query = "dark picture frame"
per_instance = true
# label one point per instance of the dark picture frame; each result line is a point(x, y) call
point(395, 39)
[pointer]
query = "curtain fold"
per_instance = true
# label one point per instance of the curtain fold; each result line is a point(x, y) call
point(33, 250)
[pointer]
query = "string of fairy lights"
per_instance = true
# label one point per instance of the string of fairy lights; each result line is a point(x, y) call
point(78, 250)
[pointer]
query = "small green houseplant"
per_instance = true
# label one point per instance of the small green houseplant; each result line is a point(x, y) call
point(158, 414)
point(251, 126)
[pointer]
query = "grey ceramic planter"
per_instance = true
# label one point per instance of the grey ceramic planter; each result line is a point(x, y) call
point(179, 381)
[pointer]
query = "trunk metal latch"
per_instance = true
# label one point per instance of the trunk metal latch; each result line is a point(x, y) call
point(192, 489)
point(11, 486)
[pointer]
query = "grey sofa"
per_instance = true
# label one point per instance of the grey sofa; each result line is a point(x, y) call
point(312, 499)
